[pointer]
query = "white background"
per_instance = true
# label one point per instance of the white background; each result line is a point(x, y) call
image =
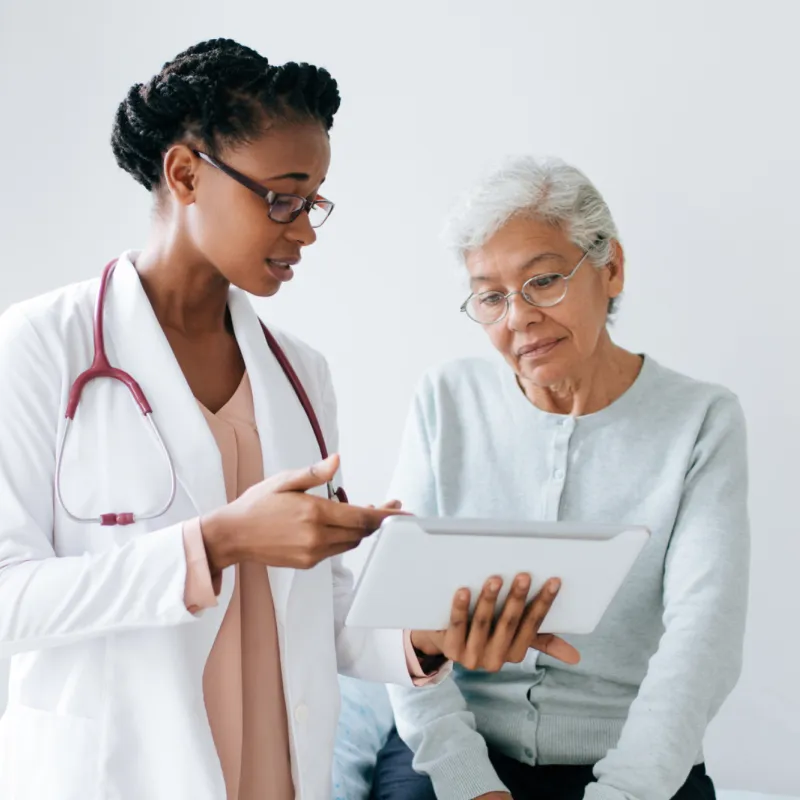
point(684, 113)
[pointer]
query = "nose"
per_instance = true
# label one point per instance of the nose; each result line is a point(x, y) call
point(521, 313)
point(300, 231)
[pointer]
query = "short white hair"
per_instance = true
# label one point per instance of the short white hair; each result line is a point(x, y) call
point(546, 189)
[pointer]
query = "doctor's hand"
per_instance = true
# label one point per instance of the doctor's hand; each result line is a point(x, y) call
point(487, 641)
point(276, 523)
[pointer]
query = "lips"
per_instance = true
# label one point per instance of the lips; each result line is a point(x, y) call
point(281, 268)
point(538, 349)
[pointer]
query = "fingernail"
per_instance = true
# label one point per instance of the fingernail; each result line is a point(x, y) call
point(523, 581)
point(494, 585)
point(554, 585)
point(462, 595)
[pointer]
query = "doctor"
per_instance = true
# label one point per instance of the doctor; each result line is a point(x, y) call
point(154, 657)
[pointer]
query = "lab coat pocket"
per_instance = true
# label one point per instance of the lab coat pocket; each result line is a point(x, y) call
point(47, 756)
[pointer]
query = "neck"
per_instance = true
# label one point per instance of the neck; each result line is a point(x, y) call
point(603, 378)
point(187, 294)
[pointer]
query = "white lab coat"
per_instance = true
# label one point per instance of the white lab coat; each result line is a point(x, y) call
point(105, 696)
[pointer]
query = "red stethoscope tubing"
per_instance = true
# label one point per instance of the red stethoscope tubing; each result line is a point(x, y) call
point(102, 368)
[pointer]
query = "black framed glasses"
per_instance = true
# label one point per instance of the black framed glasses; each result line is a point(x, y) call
point(282, 208)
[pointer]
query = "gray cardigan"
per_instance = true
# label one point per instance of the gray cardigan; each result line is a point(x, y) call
point(669, 454)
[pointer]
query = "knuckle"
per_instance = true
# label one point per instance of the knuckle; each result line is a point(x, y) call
point(480, 622)
point(511, 622)
point(311, 539)
point(311, 513)
point(367, 522)
point(307, 534)
point(307, 560)
point(458, 620)
point(545, 603)
point(537, 620)
point(318, 541)
point(535, 612)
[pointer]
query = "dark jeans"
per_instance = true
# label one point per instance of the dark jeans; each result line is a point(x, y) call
point(396, 780)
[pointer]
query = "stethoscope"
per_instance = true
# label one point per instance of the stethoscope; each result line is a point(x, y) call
point(101, 368)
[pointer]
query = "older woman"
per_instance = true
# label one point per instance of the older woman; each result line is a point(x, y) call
point(573, 427)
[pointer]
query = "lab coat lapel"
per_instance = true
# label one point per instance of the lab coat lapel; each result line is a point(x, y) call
point(287, 439)
point(138, 346)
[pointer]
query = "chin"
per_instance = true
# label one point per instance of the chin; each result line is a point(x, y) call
point(268, 291)
point(263, 288)
point(542, 375)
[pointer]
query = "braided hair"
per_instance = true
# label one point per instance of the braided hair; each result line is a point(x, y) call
point(217, 92)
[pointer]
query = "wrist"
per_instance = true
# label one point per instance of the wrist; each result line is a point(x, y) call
point(423, 644)
point(221, 549)
point(430, 664)
point(427, 652)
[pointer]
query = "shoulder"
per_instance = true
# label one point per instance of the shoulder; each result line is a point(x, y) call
point(451, 396)
point(462, 378)
point(41, 342)
point(677, 394)
point(48, 322)
point(55, 310)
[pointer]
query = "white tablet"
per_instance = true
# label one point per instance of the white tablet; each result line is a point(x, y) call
point(417, 565)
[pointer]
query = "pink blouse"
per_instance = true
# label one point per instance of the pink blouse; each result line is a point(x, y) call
point(242, 682)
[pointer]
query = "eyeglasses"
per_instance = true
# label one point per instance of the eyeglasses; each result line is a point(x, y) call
point(542, 291)
point(282, 208)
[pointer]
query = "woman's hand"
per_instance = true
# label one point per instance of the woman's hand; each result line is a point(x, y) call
point(482, 643)
point(276, 523)
point(495, 796)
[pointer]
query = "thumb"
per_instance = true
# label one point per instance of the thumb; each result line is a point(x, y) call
point(302, 480)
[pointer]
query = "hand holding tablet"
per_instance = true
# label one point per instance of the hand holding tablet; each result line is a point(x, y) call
point(492, 637)
point(417, 566)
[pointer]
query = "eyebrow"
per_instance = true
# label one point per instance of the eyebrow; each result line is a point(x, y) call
point(532, 262)
point(294, 176)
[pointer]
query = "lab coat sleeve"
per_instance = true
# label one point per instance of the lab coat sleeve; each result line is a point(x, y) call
point(49, 601)
point(375, 655)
